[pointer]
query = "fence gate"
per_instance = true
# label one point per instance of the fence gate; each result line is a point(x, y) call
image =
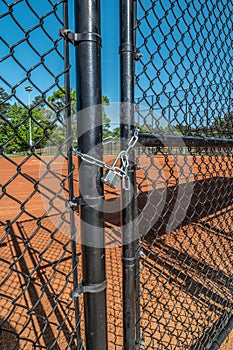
point(184, 111)
point(132, 254)
point(37, 228)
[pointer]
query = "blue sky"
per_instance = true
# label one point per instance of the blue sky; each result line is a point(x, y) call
point(110, 47)
point(26, 22)
point(186, 46)
point(110, 56)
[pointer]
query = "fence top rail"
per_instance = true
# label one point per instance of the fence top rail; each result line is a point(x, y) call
point(157, 140)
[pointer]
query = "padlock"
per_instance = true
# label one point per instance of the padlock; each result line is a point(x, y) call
point(111, 178)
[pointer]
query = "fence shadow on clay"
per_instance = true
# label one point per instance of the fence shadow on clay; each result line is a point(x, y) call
point(186, 273)
point(8, 335)
point(207, 198)
point(43, 277)
point(39, 306)
point(158, 254)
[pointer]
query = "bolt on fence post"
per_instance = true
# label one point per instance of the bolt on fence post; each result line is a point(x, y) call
point(89, 101)
point(128, 214)
point(70, 172)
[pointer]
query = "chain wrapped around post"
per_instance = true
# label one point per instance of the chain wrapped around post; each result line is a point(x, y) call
point(113, 173)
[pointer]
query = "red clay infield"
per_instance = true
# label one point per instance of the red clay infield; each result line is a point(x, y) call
point(186, 273)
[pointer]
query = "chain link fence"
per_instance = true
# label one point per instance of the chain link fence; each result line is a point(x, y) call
point(184, 110)
point(38, 260)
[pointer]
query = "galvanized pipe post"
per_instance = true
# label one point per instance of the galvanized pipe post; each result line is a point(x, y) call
point(127, 56)
point(89, 100)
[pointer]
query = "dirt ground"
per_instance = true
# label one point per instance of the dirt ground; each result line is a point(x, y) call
point(228, 343)
point(186, 258)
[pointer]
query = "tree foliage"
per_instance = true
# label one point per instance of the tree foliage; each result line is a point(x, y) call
point(14, 130)
point(57, 101)
point(106, 121)
point(4, 104)
point(223, 126)
point(47, 118)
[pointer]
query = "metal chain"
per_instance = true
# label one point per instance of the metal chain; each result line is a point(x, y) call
point(133, 140)
point(123, 155)
point(125, 159)
point(91, 160)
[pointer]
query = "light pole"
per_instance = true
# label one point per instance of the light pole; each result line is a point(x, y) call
point(29, 89)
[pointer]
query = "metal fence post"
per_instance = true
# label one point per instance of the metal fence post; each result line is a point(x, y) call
point(127, 55)
point(70, 172)
point(89, 96)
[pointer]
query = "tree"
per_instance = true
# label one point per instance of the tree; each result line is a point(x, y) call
point(58, 101)
point(106, 121)
point(116, 132)
point(4, 105)
point(222, 126)
point(47, 118)
point(14, 131)
point(39, 102)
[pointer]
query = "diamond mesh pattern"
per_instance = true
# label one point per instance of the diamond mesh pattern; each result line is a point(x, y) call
point(184, 88)
point(37, 272)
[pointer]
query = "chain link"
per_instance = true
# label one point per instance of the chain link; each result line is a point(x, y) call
point(183, 87)
point(123, 155)
point(133, 140)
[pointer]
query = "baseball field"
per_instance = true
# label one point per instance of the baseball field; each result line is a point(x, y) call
point(185, 227)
